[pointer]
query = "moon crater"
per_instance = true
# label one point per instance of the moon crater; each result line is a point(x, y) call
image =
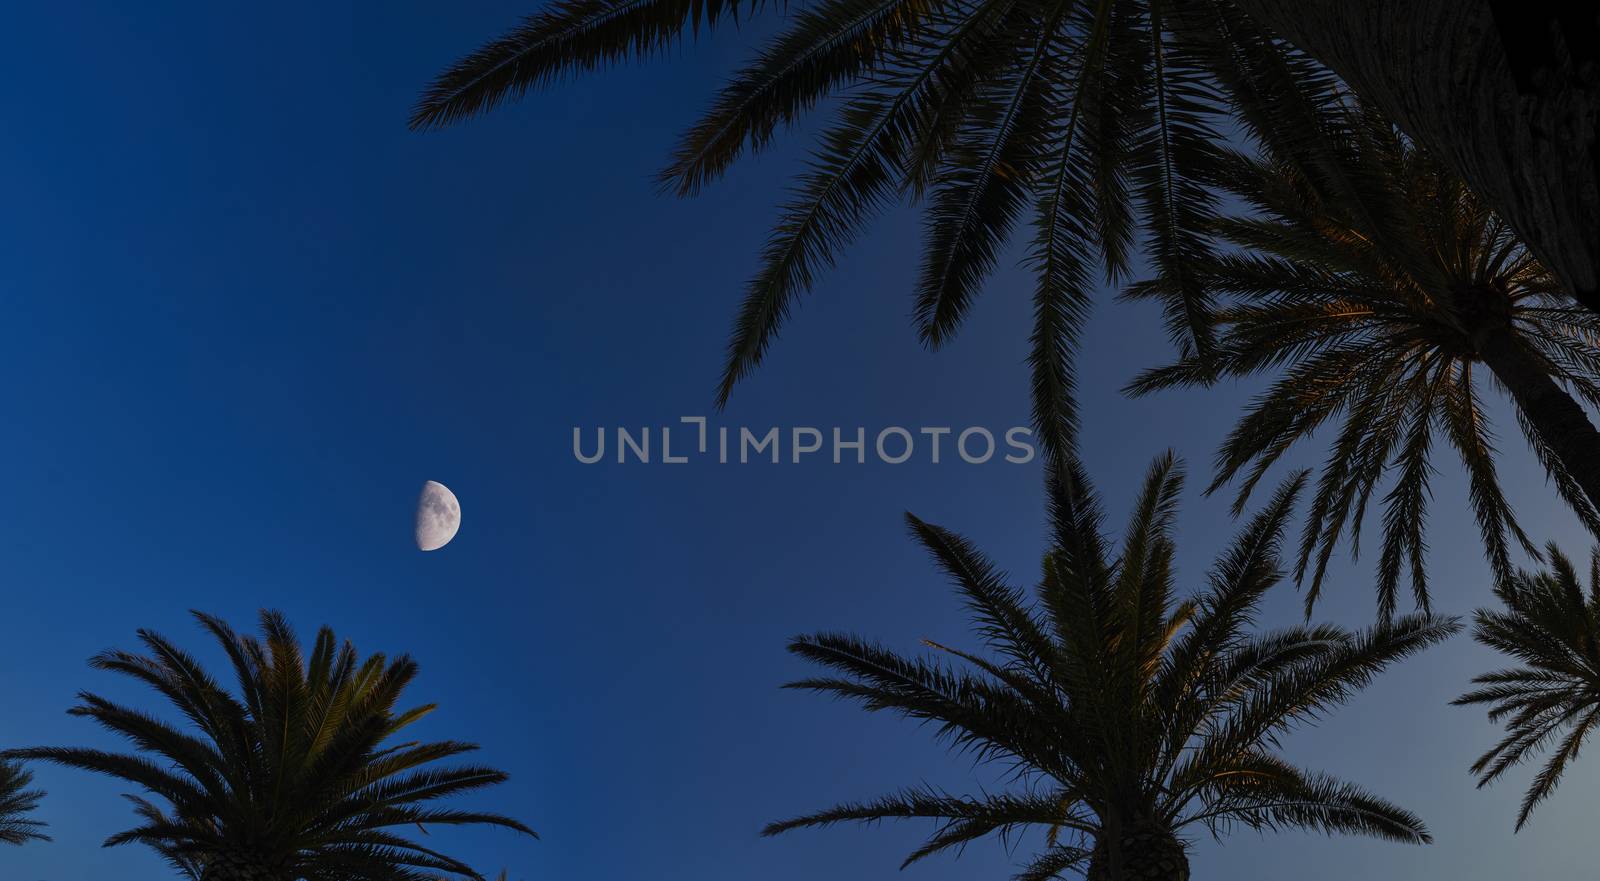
point(438, 516)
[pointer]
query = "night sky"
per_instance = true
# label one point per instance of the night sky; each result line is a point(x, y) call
point(247, 314)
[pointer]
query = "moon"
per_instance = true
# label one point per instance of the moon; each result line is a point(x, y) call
point(438, 516)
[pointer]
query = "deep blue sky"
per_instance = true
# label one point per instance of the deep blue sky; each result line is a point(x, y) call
point(246, 314)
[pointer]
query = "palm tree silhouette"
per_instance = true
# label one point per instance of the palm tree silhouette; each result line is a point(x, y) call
point(1126, 716)
point(297, 777)
point(1380, 292)
point(1097, 120)
point(1551, 702)
point(17, 803)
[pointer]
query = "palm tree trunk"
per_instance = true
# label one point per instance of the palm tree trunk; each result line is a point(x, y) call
point(1504, 90)
point(1138, 851)
point(1561, 421)
point(233, 867)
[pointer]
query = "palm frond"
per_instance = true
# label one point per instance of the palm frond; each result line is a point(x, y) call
point(1551, 704)
point(17, 804)
point(570, 36)
point(1096, 120)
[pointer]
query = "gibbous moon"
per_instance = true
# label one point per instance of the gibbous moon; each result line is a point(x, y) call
point(438, 516)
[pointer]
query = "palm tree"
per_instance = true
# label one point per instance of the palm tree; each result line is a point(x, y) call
point(1484, 84)
point(1379, 290)
point(1096, 118)
point(17, 801)
point(1126, 717)
point(991, 102)
point(1552, 627)
point(297, 777)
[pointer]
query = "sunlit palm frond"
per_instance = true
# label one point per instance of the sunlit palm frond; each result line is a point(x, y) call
point(1263, 793)
point(1365, 277)
point(299, 774)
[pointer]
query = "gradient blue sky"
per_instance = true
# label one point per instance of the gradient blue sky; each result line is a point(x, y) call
point(246, 314)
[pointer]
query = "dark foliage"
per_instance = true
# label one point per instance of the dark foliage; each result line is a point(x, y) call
point(298, 775)
point(1115, 704)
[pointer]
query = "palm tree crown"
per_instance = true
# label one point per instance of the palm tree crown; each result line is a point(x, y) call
point(1370, 282)
point(1552, 626)
point(1127, 715)
point(295, 778)
point(1094, 118)
point(17, 802)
